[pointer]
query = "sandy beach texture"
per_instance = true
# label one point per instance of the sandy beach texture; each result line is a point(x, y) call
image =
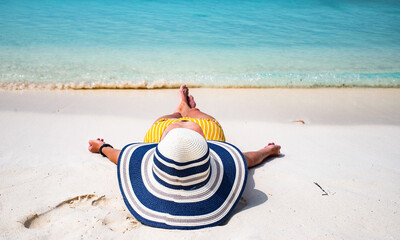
point(338, 177)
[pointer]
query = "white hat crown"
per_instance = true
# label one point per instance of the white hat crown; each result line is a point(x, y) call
point(182, 160)
point(183, 145)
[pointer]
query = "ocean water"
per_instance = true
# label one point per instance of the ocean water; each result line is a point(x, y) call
point(58, 44)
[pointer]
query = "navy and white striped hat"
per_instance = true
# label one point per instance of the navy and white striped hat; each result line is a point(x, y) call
point(183, 182)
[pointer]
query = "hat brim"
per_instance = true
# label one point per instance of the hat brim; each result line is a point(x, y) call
point(156, 205)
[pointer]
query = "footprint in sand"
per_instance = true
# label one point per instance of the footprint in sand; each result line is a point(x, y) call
point(109, 211)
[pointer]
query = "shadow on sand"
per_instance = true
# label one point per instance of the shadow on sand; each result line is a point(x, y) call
point(251, 197)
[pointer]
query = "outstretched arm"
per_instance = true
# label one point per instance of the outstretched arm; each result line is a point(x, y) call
point(111, 153)
point(255, 158)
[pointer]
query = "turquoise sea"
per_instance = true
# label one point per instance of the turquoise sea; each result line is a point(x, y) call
point(59, 44)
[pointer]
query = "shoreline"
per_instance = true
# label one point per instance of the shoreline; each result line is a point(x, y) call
point(301, 82)
point(347, 146)
point(57, 87)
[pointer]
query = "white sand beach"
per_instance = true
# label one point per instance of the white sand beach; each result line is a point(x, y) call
point(338, 176)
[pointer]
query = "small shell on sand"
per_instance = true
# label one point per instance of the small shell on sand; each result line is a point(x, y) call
point(299, 121)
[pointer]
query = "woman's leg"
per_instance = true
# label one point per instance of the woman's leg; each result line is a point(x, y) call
point(173, 115)
point(252, 158)
point(257, 157)
point(187, 106)
point(196, 113)
point(111, 153)
point(183, 106)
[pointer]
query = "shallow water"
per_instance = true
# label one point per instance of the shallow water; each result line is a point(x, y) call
point(154, 44)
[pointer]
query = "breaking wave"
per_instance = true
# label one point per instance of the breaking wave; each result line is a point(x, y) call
point(260, 80)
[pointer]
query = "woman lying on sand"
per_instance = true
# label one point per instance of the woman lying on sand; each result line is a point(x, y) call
point(187, 109)
point(184, 175)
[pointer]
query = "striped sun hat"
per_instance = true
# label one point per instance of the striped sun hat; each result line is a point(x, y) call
point(183, 182)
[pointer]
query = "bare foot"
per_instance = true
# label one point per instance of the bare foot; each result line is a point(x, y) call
point(185, 97)
point(184, 103)
point(94, 145)
point(192, 103)
point(271, 150)
point(184, 93)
